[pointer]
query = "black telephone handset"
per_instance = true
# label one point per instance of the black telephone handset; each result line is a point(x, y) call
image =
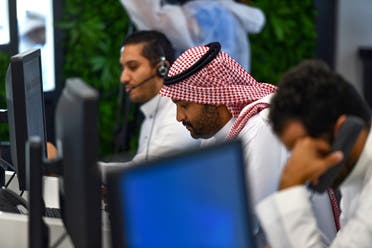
point(344, 142)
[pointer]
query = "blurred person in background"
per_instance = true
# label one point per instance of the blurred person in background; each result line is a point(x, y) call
point(198, 22)
point(32, 31)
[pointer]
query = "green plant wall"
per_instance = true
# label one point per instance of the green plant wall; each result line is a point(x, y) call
point(287, 38)
point(93, 31)
point(4, 61)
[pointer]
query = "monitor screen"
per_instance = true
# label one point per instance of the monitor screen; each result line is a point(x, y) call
point(76, 121)
point(25, 102)
point(4, 23)
point(195, 199)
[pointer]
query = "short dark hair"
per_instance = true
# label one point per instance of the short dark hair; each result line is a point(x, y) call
point(156, 45)
point(313, 94)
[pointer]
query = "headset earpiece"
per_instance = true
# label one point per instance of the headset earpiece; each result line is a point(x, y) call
point(162, 68)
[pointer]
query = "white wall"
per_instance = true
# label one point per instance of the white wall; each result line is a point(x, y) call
point(354, 29)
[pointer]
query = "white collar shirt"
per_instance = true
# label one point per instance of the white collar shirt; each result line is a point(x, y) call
point(161, 134)
point(288, 219)
point(264, 154)
point(265, 157)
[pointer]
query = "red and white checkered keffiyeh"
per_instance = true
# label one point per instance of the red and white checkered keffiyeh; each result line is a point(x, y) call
point(222, 81)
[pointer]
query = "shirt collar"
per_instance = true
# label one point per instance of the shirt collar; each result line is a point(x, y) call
point(149, 107)
point(222, 133)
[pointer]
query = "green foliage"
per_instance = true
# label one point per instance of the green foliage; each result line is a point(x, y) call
point(4, 61)
point(93, 32)
point(287, 38)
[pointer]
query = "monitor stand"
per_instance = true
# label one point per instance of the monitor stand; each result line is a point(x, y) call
point(36, 167)
point(3, 146)
point(38, 232)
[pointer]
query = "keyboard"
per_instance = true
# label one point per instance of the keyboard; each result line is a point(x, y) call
point(53, 213)
point(11, 202)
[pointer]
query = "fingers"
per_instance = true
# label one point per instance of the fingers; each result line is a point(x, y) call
point(51, 150)
point(322, 164)
point(318, 144)
point(333, 158)
point(307, 162)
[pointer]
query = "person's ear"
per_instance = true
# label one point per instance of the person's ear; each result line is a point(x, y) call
point(340, 120)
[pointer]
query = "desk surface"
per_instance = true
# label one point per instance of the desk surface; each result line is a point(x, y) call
point(14, 227)
point(14, 231)
point(50, 189)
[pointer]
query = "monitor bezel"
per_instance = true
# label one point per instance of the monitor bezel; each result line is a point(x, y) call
point(118, 239)
point(77, 145)
point(17, 111)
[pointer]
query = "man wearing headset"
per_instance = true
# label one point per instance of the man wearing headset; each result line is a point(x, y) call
point(145, 58)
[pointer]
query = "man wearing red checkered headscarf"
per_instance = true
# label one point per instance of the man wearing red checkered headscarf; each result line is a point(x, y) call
point(216, 100)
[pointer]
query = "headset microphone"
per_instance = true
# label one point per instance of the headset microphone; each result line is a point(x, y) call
point(143, 82)
point(161, 71)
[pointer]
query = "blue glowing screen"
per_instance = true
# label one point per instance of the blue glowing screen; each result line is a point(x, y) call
point(195, 200)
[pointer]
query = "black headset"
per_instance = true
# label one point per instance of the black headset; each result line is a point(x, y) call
point(162, 69)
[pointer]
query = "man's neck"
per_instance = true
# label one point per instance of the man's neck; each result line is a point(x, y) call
point(223, 132)
point(224, 114)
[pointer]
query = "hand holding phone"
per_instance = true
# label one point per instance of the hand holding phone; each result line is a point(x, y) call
point(344, 142)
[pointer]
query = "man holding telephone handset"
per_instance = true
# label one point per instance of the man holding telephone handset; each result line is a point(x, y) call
point(326, 124)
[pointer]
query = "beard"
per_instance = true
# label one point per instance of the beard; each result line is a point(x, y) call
point(207, 125)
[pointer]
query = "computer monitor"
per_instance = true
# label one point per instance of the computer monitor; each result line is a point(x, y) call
point(25, 103)
point(76, 122)
point(194, 199)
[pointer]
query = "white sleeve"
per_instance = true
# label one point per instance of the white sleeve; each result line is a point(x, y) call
point(288, 220)
point(357, 231)
point(264, 159)
point(106, 167)
point(166, 134)
point(252, 18)
point(168, 19)
point(171, 138)
point(265, 156)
